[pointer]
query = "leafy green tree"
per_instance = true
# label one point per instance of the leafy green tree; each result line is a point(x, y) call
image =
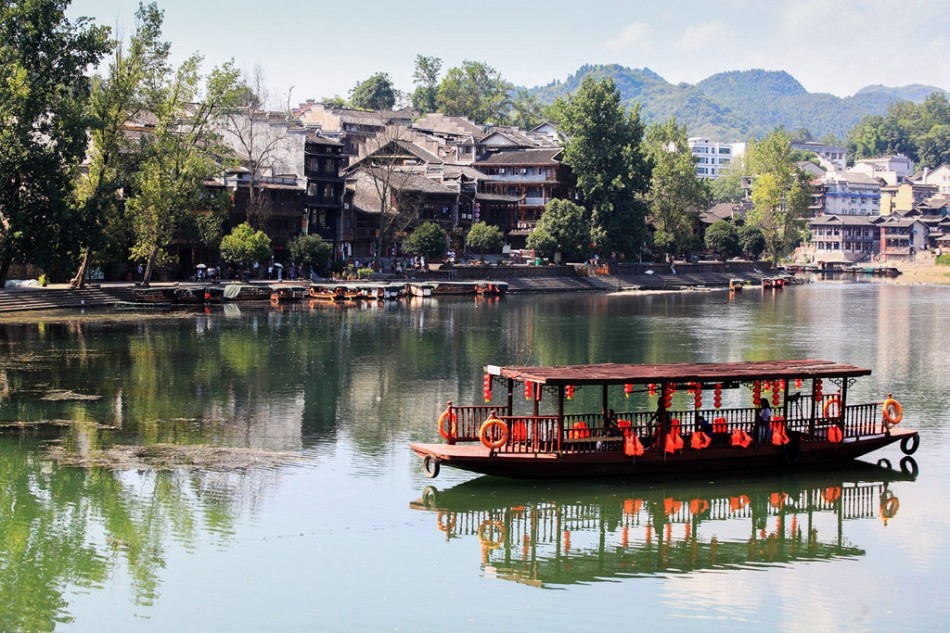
point(728, 186)
point(526, 110)
point(375, 93)
point(243, 246)
point(180, 154)
point(115, 99)
point(475, 90)
point(676, 193)
point(336, 101)
point(722, 238)
point(780, 194)
point(426, 78)
point(484, 237)
point(751, 240)
point(563, 228)
point(429, 240)
point(43, 122)
point(915, 130)
point(603, 150)
point(310, 250)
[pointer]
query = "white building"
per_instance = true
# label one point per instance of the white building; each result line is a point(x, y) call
point(712, 157)
point(851, 193)
point(940, 177)
point(893, 170)
point(831, 157)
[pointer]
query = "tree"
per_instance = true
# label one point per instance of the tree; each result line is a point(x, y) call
point(115, 100)
point(722, 238)
point(475, 90)
point(908, 128)
point(310, 250)
point(676, 193)
point(375, 93)
point(261, 141)
point(780, 194)
point(429, 240)
point(484, 237)
point(728, 186)
point(751, 240)
point(563, 228)
point(43, 122)
point(180, 154)
point(526, 110)
point(603, 150)
point(243, 246)
point(426, 78)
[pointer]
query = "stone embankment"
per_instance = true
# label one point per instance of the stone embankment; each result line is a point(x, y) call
point(521, 279)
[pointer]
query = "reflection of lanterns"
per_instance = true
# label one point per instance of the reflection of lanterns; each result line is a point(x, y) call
point(569, 391)
point(487, 388)
point(627, 390)
point(528, 390)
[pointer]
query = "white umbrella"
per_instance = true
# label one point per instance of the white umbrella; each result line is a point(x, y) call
point(279, 265)
point(200, 266)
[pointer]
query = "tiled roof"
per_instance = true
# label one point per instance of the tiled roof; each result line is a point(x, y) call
point(852, 220)
point(450, 125)
point(523, 157)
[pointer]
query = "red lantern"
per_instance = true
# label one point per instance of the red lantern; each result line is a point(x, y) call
point(698, 401)
point(817, 389)
point(717, 402)
point(569, 391)
point(528, 391)
point(798, 383)
point(651, 389)
point(486, 392)
point(627, 390)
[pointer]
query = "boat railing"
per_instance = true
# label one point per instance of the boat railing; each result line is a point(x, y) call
point(586, 432)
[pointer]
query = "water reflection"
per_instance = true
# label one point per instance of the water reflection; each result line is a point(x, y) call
point(545, 535)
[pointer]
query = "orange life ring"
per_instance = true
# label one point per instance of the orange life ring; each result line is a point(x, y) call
point(451, 432)
point(487, 430)
point(889, 507)
point(487, 530)
point(833, 400)
point(893, 412)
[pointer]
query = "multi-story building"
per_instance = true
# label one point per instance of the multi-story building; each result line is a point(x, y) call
point(939, 178)
point(831, 157)
point(851, 193)
point(902, 237)
point(844, 238)
point(905, 197)
point(323, 216)
point(712, 157)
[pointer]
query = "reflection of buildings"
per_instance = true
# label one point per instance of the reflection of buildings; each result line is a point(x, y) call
point(573, 535)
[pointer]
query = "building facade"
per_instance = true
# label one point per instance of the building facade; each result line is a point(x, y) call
point(712, 157)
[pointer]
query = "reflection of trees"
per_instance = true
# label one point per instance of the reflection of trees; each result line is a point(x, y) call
point(69, 527)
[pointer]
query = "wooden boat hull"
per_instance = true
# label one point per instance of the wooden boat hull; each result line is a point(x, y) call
point(612, 462)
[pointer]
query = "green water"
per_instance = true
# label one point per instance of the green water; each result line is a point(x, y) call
point(335, 528)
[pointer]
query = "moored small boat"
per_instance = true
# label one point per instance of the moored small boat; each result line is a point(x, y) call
point(492, 288)
point(417, 289)
point(736, 285)
point(283, 294)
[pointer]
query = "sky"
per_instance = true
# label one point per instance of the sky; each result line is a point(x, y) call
point(312, 49)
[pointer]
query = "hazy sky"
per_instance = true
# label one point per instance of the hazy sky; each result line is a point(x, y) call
point(322, 49)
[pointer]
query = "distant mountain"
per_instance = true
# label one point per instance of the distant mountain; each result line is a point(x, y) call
point(737, 105)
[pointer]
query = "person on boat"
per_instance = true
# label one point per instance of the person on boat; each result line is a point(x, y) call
point(610, 423)
point(763, 419)
point(661, 423)
point(703, 425)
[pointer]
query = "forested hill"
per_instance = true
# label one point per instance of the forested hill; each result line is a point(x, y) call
point(737, 105)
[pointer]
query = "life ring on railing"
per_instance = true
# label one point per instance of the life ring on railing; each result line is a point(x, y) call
point(832, 401)
point(493, 433)
point(893, 412)
point(448, 425)
point(486, 533)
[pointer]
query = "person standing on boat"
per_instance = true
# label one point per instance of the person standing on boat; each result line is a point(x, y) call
point(661, 423)
point(763, 422)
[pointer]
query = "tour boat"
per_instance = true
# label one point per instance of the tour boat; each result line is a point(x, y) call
point(492, 288)
point(811, 421)
point(283, 294)
point(584, 532)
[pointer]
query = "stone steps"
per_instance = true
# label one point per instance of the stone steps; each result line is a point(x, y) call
point(56, 298)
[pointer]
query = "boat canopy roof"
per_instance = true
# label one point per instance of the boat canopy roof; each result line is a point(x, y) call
point(615, 374)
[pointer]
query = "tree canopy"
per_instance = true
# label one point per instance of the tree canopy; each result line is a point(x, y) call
point(426, 78)
point(375, 93)
point(603, 149)
point(920, 132)
point(676, 194)
point(484, 237)
point(43, 122)
point(722, 238)
point(474, 90)
point(244, 246)
point(429, 240)
point(563, 228)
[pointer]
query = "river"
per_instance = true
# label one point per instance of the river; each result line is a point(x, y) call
point(310, 513)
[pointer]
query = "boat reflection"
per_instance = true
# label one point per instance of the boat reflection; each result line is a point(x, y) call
point(548, 535)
